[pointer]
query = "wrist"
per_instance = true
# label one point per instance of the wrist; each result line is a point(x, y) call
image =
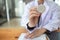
point(30, 28)
point(31, 25)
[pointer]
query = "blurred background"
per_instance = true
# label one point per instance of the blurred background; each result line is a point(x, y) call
point(12, 10)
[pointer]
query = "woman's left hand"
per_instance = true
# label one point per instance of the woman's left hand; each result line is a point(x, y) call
point(35, 33)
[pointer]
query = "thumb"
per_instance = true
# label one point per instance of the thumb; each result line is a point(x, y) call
point(27, 34)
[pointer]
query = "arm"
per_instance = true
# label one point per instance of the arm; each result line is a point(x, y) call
point(54, 23)
point(24, 19)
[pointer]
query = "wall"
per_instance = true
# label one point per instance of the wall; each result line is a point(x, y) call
point(19, 8)
point(0, 1)
point(58, 2)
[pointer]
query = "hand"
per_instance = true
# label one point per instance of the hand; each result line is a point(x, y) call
point(35, 34)
point(33, 16)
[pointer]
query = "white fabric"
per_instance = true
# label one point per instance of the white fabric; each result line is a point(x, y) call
point(49, 20)
point(42, 37)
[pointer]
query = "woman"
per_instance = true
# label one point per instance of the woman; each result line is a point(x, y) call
point(40, 23)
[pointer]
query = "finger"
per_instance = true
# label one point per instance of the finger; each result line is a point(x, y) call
point(35, 33)
point(33, 16)
point(34, 12)
point(34, 36)
point(27, 35)
point(30, 35)
point(33, 8)
point(31, 12)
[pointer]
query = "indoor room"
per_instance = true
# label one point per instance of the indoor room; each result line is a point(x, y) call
point(12, 15)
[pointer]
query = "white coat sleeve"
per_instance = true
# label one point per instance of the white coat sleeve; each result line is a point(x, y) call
point(24, 19)
point(54, 23)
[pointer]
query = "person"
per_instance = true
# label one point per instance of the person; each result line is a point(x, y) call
point(40, 23)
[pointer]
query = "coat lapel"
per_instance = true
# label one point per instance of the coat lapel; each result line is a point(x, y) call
point(44, 15)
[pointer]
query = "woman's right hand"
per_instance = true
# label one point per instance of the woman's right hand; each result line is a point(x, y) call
point(33, 16)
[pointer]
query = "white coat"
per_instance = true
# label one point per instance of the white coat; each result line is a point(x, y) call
point(49, 20)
